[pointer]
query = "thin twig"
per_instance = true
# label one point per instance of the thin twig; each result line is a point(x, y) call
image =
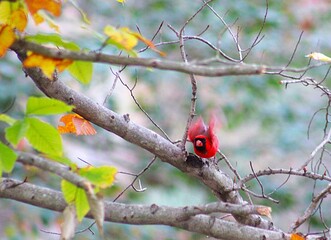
point(155, 34)
point(311, 208)
point(319, 147)
point(228, 28)
point(136, 176)
point(117, 75)
point(235, 172)
point(261, 186)
point(257, 39)
point(311, 120)
point(269, 171)
point(294, 51)
point(111, 91)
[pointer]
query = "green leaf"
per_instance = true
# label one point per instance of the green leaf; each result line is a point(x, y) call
point(7, 159)
point(54, 39)
point(5, 118)
point(77, 195)
point(16, 132)
point(44, 137)
point(82, 205)
point(102, 177)
point(46, 106)
point(82, 71)
point(69, 191)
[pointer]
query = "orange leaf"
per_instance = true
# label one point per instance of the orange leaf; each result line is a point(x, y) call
point(73, 123)
point(52, 6)
point(7, 37)
point(297, 236)
point(18, 20)
point(148, 43)
point(46, 64)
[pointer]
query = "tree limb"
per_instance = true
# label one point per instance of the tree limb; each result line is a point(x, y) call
point(231, 69)
point(191, 218)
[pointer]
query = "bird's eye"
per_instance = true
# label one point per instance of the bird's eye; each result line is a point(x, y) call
point(200, 144)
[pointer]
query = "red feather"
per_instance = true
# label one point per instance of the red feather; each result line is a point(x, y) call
point(203, 137)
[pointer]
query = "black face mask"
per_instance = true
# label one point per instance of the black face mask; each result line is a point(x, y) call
point(200, 144)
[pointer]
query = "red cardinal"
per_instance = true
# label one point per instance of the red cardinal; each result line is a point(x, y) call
point(204, 140)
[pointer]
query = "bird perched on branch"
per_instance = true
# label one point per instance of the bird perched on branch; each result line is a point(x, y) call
point(203, 137)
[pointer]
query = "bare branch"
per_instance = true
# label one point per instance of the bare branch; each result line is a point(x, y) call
point(235, 172)
point(319, 147)
point(311, 208)
point(293, 172)
point(155, 34)
point(117, 76)
point(261, 185)
point(240, 69)
point(234, 37)
point(112, 88)
point(258, 39)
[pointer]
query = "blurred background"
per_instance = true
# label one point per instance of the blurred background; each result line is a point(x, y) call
point(261, 121)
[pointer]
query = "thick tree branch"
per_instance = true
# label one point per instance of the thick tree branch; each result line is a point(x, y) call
point(232, 69)
point(221, 184)
point(191, 218)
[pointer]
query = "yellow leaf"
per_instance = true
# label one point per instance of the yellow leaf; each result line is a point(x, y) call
point(5, 11)
point(38, 18)
point(121, 36)
point(18, 20)
point(7, 37)
point(121, 1)
point(319, 57)
point(41, 17)
point(127, 39)
point(46, 64)
point(52, 6)
point(52, 24)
